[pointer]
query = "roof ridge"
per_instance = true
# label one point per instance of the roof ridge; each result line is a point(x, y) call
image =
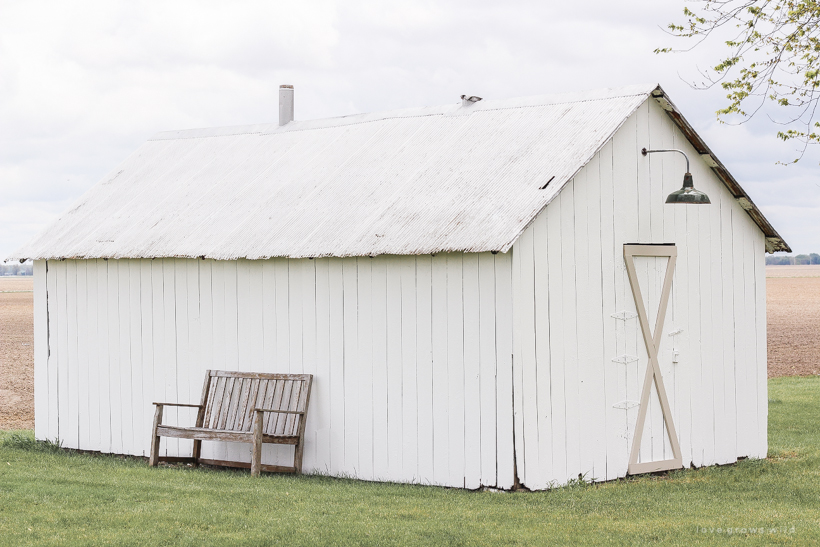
point(404, 113)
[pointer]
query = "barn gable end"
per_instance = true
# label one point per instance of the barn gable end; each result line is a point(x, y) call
point(579, 364)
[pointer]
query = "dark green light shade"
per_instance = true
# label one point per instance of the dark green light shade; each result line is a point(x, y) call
point(688, 194)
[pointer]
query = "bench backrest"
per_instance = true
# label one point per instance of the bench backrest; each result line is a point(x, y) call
point(229, 399)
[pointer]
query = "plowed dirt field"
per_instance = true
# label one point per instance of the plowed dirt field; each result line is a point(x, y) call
point(16, 353)
point(793, 317)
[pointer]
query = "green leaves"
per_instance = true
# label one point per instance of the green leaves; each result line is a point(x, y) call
point(774, 55)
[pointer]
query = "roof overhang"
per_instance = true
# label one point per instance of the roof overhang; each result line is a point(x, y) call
point(774, 242)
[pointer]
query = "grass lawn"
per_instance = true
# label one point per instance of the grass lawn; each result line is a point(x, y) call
point(50, 497)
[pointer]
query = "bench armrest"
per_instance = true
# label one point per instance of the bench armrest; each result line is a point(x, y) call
point(178, 404)
point(279, 411)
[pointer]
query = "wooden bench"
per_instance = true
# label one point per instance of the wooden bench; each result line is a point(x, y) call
point(246, 407)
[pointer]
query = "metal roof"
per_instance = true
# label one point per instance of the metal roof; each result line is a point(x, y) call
point(417, 181)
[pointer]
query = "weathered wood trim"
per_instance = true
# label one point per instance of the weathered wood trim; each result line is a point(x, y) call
point(652, 343)
point(654, 467)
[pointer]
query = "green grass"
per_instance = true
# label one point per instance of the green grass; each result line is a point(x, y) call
point(52, 497)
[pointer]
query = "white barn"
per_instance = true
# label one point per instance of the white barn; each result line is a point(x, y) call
point(454, 277)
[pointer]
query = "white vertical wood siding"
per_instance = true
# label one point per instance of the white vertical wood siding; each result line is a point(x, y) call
point(569, 279)
point(416, 358)
point(412, 356)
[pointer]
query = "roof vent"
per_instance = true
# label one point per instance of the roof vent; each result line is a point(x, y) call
point(285, 104)
point(467, 101)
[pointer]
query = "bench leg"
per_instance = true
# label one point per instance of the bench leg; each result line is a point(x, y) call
point(197, 452)
point(154, 459)
point(297, 456)
point(256, 452)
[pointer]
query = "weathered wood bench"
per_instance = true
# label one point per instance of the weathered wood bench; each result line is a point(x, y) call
point(246, 407)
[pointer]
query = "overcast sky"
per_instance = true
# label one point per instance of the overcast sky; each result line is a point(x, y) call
point(83, 84)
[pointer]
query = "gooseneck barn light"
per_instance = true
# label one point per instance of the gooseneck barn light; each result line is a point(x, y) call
point(687, 194)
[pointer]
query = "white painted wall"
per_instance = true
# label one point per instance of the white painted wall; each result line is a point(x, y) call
point(412, 356)
point(569, 278)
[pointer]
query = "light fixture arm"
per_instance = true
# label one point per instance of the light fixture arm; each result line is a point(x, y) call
point(644, 151)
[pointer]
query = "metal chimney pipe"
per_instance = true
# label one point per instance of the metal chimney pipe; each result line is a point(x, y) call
point(285, 104)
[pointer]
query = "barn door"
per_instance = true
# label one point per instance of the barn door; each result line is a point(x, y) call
point(652, 341)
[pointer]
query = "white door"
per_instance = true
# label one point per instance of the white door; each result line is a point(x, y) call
point(652, 337)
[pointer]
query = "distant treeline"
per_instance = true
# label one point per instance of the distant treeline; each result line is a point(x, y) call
point(796, 260)
point(16, 269)
point(771, 260)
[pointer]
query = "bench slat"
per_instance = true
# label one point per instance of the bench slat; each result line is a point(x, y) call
point(261, 395)
point(287, 401)
point(243, 404)
point(206, 434)
point(270, 387)
point(233, 405)
point(293, 399)
point(269, 425)
point(247, 418)
point(300, 404)
point(236, 403)
point(225, 407)
point(213, 413)
point(278, 402)
point(293, 420)
point(232, 400)
point(260, 375)
point(296, 396)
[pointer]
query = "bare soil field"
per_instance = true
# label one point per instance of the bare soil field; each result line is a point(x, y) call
point(16, 353)
point(793, 271)
point(792, 305)
point(793, 317)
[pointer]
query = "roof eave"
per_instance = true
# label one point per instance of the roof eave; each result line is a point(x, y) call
point(774, 242)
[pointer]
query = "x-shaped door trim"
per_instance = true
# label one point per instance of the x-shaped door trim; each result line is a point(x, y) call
point(652, 341)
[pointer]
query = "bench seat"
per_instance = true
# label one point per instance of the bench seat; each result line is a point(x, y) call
point(207, 434)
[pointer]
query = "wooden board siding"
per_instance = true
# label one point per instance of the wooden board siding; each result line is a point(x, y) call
point(411, 357)
point(42, 427)
point(452, 369)
point(570, 279)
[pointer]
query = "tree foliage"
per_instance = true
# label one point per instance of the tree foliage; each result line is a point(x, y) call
point(16, 269)
point(773, 55)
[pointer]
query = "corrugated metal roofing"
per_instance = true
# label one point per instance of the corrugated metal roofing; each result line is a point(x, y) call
point(419, 181)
